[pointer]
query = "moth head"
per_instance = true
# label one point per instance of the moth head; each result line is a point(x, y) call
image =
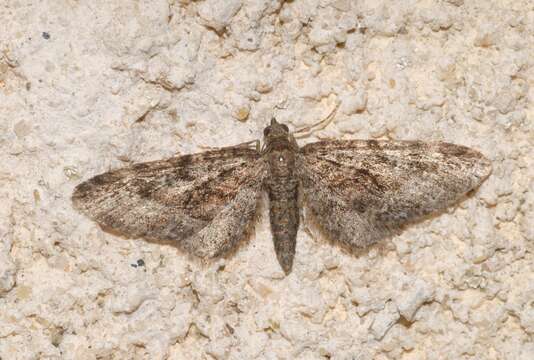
point(275, 131)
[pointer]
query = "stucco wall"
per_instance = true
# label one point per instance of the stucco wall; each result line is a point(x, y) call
point(86, 86)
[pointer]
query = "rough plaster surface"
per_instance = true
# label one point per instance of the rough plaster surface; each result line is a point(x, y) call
point(86, 86)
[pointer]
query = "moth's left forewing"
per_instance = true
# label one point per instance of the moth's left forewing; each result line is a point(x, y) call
point(362, 190)
point(201, 203)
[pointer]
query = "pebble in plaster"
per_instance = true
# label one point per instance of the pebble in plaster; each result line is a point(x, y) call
point(218, 14)
point(8, 271)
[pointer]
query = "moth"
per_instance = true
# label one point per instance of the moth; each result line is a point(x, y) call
point(358, 191)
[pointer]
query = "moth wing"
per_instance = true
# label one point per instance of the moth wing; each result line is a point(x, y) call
point(361, 191)
point(202, 203)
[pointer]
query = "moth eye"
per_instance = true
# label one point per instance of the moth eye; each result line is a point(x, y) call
point(266, 131)
point(284, 126)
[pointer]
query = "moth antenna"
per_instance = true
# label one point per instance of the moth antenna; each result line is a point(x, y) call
point(320, 124)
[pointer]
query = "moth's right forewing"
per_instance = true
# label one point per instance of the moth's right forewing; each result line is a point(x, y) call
point(362, 190)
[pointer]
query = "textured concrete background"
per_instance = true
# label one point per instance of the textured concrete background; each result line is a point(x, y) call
point(86, 86)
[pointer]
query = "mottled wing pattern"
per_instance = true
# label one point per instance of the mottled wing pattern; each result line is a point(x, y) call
point(201, 202)
point(360, 191)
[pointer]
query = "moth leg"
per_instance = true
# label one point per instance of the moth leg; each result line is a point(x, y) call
point(307, 230)
point(293, 142)
point(255, 143)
